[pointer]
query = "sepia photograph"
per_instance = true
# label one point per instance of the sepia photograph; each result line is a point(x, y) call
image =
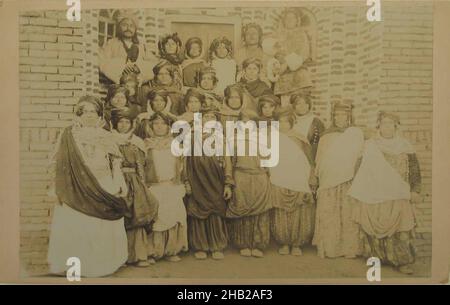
point(247, 140)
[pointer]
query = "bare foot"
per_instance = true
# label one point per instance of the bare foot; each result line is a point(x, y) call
point(218, 255)
point(200, 255)
point(296, 251)
point(142, 264)
point(245, 252)
point(173, 258)
point(284, 250)
point(257, 253)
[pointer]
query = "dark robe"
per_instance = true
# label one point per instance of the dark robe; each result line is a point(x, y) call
point(77, 187)
point(191, 73)
point(144, 206)
point(207, 180)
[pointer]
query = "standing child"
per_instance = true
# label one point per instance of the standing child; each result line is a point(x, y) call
point(386, 186)
point(340, 147)
point(131, 83)
point(193, 63)
point(221, 58)
point(293, 213)
point(210, 183)
point(143, 204)
point(307, 124)
point(164, 179)
point(249, 208)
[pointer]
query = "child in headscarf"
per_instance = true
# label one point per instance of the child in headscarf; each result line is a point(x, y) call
point(221, 59)
point(164, 177)
point(386, 185)
point(142, 203)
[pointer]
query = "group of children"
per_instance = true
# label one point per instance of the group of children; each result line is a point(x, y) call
point(208, 203)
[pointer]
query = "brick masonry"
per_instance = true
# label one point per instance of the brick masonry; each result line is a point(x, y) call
point(385, 65)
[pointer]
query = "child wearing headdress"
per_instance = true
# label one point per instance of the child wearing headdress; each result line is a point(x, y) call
point(386, 186)
point(170, 49)
point(251, 78)
point(192, 63)
point(142, 203)
point(193, 101)
point(168, 78)
point(249, 207)
point(307, 124)
point(210, 183)
point(267, 107)
point(293, 213)
point(131, 83)
point(340, 147)
point(118, 97)
point(165, 179)
point(207, 80)
point(236, 99)
point(221, 59)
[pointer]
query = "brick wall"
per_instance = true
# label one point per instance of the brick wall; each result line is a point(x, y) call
point(406, 88)
point(372, 65)
point(52, 77)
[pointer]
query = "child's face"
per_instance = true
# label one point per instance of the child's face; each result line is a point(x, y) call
point(267, 110)
point(285, 124)
point(193, 104)
point(234, 100)
point(387, 128)
point(171, 47)
point(301, 107)
point(221, 51)
point(208, 117)
point(207, 82)
point(131, 87)
point(252, 72)
point(89, 118)
point(164, 77)
point(252, 36)
point(124, 125)
point(341, 119)
point(160, 127)
point(158, 103)
point(195, 50)
point(119, 100)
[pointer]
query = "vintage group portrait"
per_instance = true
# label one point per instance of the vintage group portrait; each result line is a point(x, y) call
point(351, 101)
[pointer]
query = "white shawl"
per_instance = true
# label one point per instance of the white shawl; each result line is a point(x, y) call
point(293, 169)
point(376, 180)
point(337, 155)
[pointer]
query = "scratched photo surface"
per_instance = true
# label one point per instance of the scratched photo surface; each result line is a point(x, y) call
point(348, 97)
